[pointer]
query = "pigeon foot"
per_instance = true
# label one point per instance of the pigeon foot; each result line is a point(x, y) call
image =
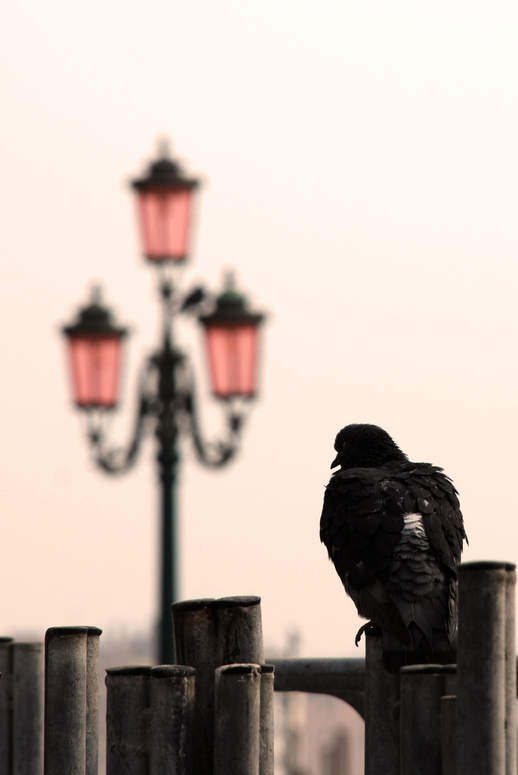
point(371, 628)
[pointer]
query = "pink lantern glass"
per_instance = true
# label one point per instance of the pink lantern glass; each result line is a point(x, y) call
point(95, 349)
point(165, 219)
point(165, 210)
point(232, 340)
point(232, 353)
point(95, 362)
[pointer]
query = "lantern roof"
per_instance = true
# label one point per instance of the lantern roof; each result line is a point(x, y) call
point(231, 309)
point(164, 173)
point(95, 320)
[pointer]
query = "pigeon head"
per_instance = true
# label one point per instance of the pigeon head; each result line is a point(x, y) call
point(365, 446)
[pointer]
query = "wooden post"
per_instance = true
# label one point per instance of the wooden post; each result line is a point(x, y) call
point(421, 688)
point(65, 700)
point(92, 701)
point(381, 712)
point(482, 699)
point(127, 711)
point(510, 673)
point(27, 685)
point(5, 705)
point(266, 721)
point(237, 720)
point(172, 692)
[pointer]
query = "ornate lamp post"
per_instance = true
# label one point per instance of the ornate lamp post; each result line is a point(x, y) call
point(167, 391)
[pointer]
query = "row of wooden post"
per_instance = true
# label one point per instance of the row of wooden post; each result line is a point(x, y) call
point(451, 719)
point(212, 713)
point(151, 721)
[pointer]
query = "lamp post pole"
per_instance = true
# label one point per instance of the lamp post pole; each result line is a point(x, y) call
point(168, 459)
point(167, 391)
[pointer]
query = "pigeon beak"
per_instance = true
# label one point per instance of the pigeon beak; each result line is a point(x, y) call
point(335, 462)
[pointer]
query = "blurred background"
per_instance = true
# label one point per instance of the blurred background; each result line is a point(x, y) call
point(360, 173)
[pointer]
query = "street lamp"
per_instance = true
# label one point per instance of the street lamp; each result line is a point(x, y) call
point(167, 390)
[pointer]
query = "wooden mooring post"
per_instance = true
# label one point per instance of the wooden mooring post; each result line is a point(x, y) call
point(171, 741)
point(421, 689)
point(486, 663)
point(213, 714)
point(21, 707)
point(381, 712)
point(237, 720)
point(71, 701)
point(266, 762)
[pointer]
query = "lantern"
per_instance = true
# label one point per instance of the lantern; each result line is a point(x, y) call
point(232, 335)
point(95, 346)
point(165, 208)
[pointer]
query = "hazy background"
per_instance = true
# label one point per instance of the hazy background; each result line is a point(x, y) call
point(361, 167)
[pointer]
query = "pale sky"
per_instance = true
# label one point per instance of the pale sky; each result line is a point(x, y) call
point(361, 174)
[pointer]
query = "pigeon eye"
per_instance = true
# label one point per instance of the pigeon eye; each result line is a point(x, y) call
point(344, 445)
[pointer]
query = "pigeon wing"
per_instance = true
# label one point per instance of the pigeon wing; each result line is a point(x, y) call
point(361, 523)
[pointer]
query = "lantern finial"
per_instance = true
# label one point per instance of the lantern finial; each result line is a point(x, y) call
point(96, 294)
point(164, 149)
point(229, 280)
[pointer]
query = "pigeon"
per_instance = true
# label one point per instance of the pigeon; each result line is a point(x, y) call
point(394, 532)
point(193, 298)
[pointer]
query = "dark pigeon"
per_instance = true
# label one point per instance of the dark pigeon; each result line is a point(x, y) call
point(394, 532)
point(193, 298)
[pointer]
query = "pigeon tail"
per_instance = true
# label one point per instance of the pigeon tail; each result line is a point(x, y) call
point(421, 652)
